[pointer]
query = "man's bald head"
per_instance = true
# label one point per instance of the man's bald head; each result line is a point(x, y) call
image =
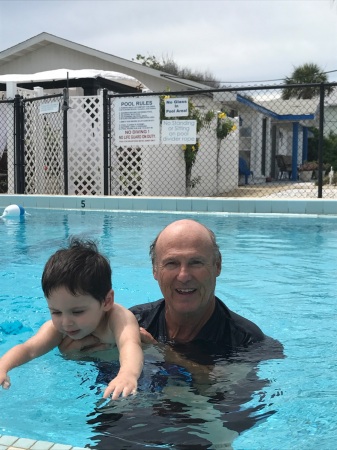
point(186, 227)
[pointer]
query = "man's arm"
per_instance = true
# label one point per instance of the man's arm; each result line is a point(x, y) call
point(126, 331)
point(82, 347)
point(42, 342)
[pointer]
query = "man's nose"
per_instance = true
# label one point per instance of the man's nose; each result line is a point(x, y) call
point(184, 273)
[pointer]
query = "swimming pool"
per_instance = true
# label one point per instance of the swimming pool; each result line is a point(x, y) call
point(278, 271)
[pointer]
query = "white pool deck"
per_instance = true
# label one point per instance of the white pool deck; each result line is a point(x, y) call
point(157, 204)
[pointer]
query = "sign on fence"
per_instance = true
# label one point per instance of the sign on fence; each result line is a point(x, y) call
point(47, 108)
point(179, 131)
point(176, 107)
point(137, 121)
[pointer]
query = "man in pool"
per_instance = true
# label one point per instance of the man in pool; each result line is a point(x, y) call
point(76, 282)
point(186, 261)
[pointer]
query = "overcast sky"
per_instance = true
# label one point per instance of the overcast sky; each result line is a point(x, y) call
point(235, 40)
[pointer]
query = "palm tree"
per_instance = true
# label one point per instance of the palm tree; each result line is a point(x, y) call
point(307, 73)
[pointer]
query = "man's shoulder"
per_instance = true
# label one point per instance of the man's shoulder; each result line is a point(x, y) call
point(149, 306)
point(145, 312)
point(242, 325)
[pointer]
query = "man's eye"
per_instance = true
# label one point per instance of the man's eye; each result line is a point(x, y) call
point(78, 312)
point(170, 264)
point(196, 263)
point(55, 313)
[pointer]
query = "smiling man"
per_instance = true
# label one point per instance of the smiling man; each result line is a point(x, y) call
point(186, 261)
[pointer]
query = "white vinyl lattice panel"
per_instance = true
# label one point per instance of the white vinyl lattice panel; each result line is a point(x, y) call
point(127, 173)
point(43, 150)
point(126, 166)
point(85, 146)
point(26, 93)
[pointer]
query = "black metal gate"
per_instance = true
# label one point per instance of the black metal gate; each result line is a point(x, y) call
point(34, 139)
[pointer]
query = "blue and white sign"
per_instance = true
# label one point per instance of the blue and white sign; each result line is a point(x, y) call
point(179, 131)
point(47, 108)
point(176, 107)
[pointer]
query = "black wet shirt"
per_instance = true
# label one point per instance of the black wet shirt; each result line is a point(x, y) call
point(225, 329)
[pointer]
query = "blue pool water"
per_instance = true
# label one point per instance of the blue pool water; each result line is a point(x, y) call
point(280, 272)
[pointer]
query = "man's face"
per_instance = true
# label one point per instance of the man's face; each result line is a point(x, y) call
point(185, 268)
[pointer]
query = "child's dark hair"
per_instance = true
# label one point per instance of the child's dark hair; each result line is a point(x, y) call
point(79, 268)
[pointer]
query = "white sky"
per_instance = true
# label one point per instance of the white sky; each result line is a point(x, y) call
point(235, 40)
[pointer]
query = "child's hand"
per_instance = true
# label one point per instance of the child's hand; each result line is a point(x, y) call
point(123, 385)
point(5, 381)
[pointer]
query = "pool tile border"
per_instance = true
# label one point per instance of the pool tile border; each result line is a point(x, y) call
point(179, 204)
point(16, 443)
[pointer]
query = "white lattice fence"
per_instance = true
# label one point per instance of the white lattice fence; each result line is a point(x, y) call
point(85, 146)
point(129, 164)
point(126, 173)
point(29, 168)
point(7, 142)
point(43, 147)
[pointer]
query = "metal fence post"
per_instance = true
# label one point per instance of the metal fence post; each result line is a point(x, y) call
point(106, 135)
point(19, 172)
point(320, 141)
point(65, 108)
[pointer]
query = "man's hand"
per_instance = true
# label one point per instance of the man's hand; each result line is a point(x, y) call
point(147, 337)
point(84, 346)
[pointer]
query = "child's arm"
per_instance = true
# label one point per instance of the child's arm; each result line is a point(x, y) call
point(126, 331)
point(42, 342)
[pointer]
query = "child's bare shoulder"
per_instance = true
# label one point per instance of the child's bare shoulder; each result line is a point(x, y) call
point(121, 316)
point(119, 309)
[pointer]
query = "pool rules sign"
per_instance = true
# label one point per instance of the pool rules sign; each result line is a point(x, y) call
point(137, 121)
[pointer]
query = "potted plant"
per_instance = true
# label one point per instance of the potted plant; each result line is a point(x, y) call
point(325, 168)
point(306, 170)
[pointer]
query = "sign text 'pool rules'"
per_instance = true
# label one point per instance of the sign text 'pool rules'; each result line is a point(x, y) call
point(137, 121)
point(179, 131)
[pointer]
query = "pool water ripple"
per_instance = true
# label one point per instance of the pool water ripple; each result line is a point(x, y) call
point(278, 271)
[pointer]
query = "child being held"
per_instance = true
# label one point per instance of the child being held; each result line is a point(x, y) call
point(76, 282)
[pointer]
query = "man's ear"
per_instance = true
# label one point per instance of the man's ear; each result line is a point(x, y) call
point(154, 271)
point(109, 300)
point(218, 267)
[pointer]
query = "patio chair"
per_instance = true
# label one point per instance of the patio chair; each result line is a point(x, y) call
point(284, 164)
point(244, 169)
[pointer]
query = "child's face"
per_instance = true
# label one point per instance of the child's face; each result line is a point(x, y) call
point(76, 316)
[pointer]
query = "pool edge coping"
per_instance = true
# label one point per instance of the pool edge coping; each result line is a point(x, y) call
point(8, 442)
point(251, 205)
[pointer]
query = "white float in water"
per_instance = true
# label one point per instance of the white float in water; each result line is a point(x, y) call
point(13, 211)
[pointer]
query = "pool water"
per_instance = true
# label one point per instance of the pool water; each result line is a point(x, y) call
point(278, 271)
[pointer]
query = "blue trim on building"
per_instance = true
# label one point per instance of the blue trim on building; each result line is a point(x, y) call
point(295, 151)
point(272, 114)
point(305, 144)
